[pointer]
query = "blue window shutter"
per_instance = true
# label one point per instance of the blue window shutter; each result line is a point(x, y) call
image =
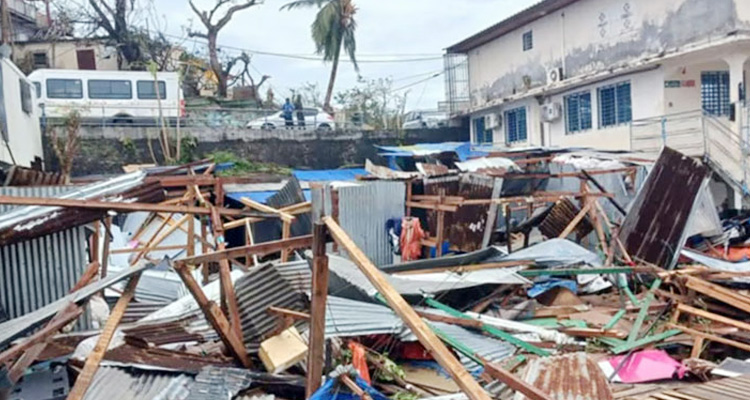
point(571, 110)
point(607, 107)
point(584, 103)
point(624, 105)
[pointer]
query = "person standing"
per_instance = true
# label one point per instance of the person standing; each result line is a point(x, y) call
point(288, 110)
point(300, 111)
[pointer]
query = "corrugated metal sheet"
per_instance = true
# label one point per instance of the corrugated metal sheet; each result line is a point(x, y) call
point(465, 228)
point(39, 271)
point(654, 229)
point(724, 389)
point(568, 377)
point(112, 383)
point(363, 212)
point(257, 290)
point(9, 330)
point(346, 318)
point(291, 193)
point(220, 383)
point(488, 348)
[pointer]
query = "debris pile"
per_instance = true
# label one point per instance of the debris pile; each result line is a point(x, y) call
point(450, 274)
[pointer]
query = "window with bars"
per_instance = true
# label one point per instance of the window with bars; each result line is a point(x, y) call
point(528, 41)
point(578, 112)
point(615, 106)
point(515, 125)
point(482, 135)
point(715, 92)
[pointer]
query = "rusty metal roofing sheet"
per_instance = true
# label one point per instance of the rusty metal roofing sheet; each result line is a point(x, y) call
point(572, 376)
point(465, 228)
point(559, 217)
point(654, 229)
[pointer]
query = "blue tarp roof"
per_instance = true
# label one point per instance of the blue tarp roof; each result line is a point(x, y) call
point(323, 175)
point(261, 197)
point(462, 149)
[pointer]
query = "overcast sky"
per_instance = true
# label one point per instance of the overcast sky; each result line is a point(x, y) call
point(386, 29)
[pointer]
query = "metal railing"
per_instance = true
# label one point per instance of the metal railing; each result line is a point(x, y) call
point(698, 134)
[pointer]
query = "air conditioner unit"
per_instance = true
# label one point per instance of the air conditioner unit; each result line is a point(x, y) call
point(554, 75)
point(492, 121)
point(551, 112)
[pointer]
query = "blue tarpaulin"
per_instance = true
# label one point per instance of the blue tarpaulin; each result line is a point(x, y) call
point(327, 175)
point(332, 390)
point(261, 197)
point(462, 149)
point(541, 287)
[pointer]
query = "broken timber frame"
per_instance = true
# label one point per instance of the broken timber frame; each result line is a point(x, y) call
point(425, 335)
point(315, 354)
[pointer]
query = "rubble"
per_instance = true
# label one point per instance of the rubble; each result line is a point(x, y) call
point(539, 275)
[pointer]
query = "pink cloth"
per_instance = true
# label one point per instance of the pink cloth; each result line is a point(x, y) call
point(648, 366)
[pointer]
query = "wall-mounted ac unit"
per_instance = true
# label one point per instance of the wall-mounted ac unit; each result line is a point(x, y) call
point(492, 121)
point(551, 112)
point(554, 75)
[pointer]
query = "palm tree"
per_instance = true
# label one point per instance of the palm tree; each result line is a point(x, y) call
point(332, 29)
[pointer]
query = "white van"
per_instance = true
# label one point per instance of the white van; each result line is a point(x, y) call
point(124, 97)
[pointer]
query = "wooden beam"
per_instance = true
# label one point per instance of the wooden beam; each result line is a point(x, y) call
point(432, 206)
point(286, 234)
point(713, 317)
point(62, 318)
point(720, 293)
point(266, 209)
point(573, 223)
point(514, 382)
point(107, 240)
point(316, 349)
point(156, 241)
point(215, 317)
point(157, 248)
point(92, 270)
point(95, 357)
point(426, 337)
point(299, 208)
point(260, 249)
point(124, 206)
point(241, 222)
point(228, 297)
point(713, 338)
point(285, 312)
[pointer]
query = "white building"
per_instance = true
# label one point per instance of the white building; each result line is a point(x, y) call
point(20, 134)
point(614, 74)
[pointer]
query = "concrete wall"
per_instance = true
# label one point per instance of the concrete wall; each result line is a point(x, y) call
point(25, 138)
point(592, 36)
point(62, 55)
point(106, 150)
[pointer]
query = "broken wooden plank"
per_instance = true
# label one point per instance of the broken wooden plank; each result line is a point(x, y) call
point(645, 341)
point(285, 312)
point(515, 382)
point(711, 337)
point(260, 249)
point(97, 354)
point(594, 333)
point(466, 268)
point(215, 317)
point(60, 320)
point(573, 223)
point(426, 337)
point(713, 317)
point(267, 209)
point(720, 293)
point(125, 206)
point(228, 297)
point(316, 352)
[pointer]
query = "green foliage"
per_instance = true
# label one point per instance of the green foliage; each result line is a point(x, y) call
point(392, 370)
point(404, 395)
point(188, 146)
point(244, 167)
point(129, 146)
point(374, 102)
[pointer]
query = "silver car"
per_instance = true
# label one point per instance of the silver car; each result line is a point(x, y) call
point(315, 118)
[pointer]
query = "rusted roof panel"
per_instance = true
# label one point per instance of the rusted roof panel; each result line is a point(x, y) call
point(465, 228)
point(560, 216)
point(654, 229)
point(572, 376)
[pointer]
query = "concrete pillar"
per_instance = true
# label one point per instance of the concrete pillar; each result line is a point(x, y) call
point(736, 75)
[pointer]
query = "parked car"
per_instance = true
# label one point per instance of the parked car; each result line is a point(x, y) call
point(315, 118)
point(425, 120)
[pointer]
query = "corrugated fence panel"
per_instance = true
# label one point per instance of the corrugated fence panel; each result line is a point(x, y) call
point(363, 212)
point(37, 272)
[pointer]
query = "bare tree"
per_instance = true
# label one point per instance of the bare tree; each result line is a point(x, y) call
point(244, 73)
point(212, 32)
point(114, 20)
